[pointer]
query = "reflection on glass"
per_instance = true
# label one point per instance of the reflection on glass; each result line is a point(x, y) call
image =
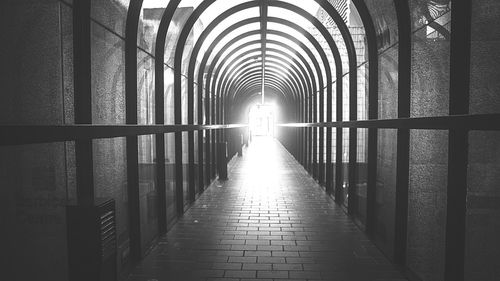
point(386, 190)
point(427, 202)
point(430, 58)
point(482, 226)
point(170, 177)
point(148, 196)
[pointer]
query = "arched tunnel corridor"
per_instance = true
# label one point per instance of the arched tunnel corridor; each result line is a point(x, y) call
point(250, 140)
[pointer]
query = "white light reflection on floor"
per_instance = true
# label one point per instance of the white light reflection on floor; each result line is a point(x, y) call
point(265, 170)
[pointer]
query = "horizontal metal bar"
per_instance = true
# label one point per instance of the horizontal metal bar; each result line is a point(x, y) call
point(31, 134)
point(484, 122)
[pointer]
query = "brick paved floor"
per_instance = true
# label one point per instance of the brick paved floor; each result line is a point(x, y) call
point(269, 221)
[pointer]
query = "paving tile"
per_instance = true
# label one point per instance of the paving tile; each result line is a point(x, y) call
point(269, 221)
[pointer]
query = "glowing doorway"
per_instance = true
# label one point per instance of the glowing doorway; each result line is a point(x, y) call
point(262, 119)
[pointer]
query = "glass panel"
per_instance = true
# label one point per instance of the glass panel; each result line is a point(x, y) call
point(363, 90)
point(169, 96)
point(485, 57)
point(185, 169)
point(110, 181)
point(345, 165)
point(148, 194)
point(386, 190)
point(111, 14)
point(196, 173)
point(430, 58)
point(427, 203)
point(345, 97)
point(108, 77)
point(333, 169)
point(37, 182)
point(483, 214)
point(362, 174)
point(145, 89)
point(170, 177)
point(149, 22)
point(181, 15)
point(388, 83)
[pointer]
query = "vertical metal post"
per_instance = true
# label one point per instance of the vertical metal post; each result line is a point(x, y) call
point(83, 100)
point(458, 147)
point(131, 118)
point(403, 144)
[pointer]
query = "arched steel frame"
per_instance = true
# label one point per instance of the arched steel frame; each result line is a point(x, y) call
point(458, 122)
point(348, 41)
point(133, 15)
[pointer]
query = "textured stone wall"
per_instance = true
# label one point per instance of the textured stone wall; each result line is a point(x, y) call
point(483, 215)
point(36, 180)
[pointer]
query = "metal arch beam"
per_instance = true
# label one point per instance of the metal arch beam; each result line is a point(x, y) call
point(278, 43)
point(204, 61)
point(160, 81)
point(249, 58)
point(373, 64)
point(313, 41)
point(272, 77)
point(219, 68)
point(132, 24)
point(403, 136)
point(306, 108)
point(287, 81)
point(199, 101)
point(337, 58)
point(279, 79)
point(308, 74)
point(255, 89)
point(291, 38)
point(279, 69)
point(311, 105)
point(270, 82)
point(351, 52)
point(213, 64)
point(177, 91)
point(303, 74)
point(246, 97)
point(306, 34)
point(283, 71)
point(325, 5)
point(253, 94)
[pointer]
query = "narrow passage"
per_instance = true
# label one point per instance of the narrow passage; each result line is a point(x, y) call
point(269, 221)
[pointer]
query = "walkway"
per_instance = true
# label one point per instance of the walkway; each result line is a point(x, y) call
point(269, 221)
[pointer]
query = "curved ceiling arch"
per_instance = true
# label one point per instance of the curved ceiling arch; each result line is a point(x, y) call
point(227, 76)
point(168, 14)
point(273, 81)
point(254, 83)
point(297, 79)
point(295, 67)
point(288, 80)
